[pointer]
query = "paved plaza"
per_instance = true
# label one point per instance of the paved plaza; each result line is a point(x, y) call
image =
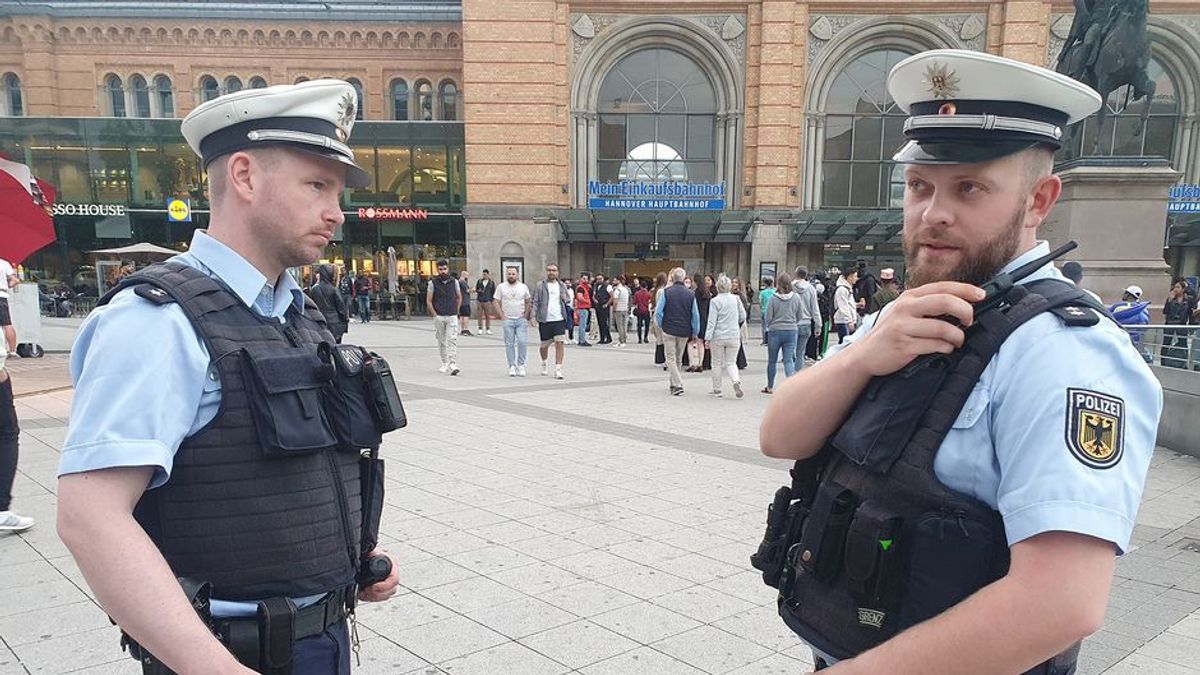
point(592, 525)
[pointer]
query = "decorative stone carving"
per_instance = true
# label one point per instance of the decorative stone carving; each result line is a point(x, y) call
point(733, 28)
point(822, 28)
point(1061, 27)
point(972, 28)
point(583, 27)
point(1057, 37)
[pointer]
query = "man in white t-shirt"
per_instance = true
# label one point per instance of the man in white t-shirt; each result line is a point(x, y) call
point(619, 301)
point(8, 280)
point(516, 303)
point(550, 301)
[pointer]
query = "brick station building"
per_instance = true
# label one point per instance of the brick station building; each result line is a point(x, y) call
point(744, 136)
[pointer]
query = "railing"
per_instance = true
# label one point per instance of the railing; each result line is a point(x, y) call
point(1170, 346)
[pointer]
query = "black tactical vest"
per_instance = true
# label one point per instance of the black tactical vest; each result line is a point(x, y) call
point(257, 509)
point(867, 541)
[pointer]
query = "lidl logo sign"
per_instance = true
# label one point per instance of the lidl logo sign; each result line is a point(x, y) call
point(179, 211)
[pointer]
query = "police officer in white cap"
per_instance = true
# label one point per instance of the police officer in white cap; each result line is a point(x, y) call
point(202, 487)
point(965, 485)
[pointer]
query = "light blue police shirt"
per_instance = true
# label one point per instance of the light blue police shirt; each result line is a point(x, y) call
point(1017, 444)
point(143, 381)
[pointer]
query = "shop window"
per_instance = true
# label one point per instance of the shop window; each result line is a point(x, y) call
point(424, 92)
point(164, 96)
point(657, 119)
point(141, 96)
point(863, 129)
point(448, 101)
point(209, 88)
point(1120, 136)
point(114, 96)
point(399, 100)
point(14, 102)
point(359, 97)
point(395, 176)
point(430, 180)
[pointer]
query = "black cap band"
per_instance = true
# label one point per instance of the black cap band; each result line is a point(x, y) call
point(237, 136)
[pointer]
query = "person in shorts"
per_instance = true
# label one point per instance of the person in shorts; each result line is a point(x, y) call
point(550, 304)
point(8, 280)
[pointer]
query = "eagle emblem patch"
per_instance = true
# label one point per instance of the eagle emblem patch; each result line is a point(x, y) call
point(1095, 427)
point(347, 108)
point(941, 81)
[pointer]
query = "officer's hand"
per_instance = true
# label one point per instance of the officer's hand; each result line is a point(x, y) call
point(384, 589)
point(912, 326)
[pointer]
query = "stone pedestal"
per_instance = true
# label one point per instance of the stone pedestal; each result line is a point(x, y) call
point(496, 233)
point(1116, 208)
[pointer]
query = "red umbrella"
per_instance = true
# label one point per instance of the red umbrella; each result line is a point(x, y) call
point(25, 216)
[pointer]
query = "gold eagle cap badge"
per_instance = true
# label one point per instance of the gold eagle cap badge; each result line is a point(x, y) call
point(941, 81)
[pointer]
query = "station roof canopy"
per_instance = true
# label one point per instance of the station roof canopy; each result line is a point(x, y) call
point(586, 225)
point(840, 226)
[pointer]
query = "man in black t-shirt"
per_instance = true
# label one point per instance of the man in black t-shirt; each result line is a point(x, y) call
point(601, 294)
point(485, 296)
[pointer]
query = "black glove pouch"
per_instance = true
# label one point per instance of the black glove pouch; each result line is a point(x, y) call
point(284, 385)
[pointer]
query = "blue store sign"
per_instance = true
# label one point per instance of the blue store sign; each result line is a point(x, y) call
point(668, 196)
point(1184, 199)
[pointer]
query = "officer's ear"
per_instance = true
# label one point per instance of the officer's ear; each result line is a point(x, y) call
point(1042, 196)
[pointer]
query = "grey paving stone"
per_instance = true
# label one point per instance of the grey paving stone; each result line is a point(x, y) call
point(491, 559)
point(51, 622)
point(470, 595)
point(401, 613)
point(579, 644)
point(641, 661)
point(588, 598)
point(537, 579)
point(645, 582)
point(761, 626)
point(1173, 648)
point(523, 617)
point(510, 657)
point(380, 656)
point(447, 639)
point(646, 622)
point(712, 650)
point(775, 664)
point(431, 573)
point(42, 595)
point(71, 652)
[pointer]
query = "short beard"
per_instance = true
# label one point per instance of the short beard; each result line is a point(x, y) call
point(978, 265)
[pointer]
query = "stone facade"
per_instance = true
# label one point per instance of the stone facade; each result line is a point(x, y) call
point(63, 62)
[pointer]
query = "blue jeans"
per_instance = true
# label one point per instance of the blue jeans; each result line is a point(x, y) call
point(785, 341)
point(364, 308)
point(803, 333)
point(583, 325)
point(516, 336)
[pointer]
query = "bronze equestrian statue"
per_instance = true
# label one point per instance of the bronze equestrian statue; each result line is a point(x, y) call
point(1107, 49)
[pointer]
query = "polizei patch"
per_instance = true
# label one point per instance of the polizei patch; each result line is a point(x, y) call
point(1095, 427)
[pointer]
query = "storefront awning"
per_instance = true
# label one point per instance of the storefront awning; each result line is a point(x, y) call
point(136, 249)
point(586, 225)
point(842, 226)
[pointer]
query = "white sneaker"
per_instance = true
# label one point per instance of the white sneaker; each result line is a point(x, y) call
point(453, 368)
point(11, 522)
point(737, 389)
point(512, 371)
point(445, 368)
point(488, 331)
point(716, 393)
point(520, 371)
point(545, 369)
point(558, 373)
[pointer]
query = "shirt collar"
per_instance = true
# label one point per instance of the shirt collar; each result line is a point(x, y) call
point(246, 282)
point(1047, 271)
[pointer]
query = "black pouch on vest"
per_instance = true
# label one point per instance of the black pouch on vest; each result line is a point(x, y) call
point(872, 558)
point(370, 473)
point(951, 557)
point(347, 399)
point(284, 386)
point(383, 395)
point(887, 413)
point(824, 535)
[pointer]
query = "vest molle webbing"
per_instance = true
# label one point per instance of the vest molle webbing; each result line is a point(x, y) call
point(253, 526)
point(867, 541)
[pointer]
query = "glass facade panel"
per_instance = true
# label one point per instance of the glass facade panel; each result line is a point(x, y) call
point(863, 130)
point(395, 176)
point(430, 176)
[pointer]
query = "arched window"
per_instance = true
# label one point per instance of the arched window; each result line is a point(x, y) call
point(14, 103)
point(208, 88)
point(863, 129)
point(358, 93)
point(164, 96)
point(257, 82)
point(448, 101)
point(1120, 136)
point(399, 100)
point(233, 83)
point(141, 96)
point(657, 113)
point(115, 95)
point(300, 79)
point(424, 92)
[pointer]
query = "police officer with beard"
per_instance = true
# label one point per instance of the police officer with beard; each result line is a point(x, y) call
point(200, 462)
point(986, 539)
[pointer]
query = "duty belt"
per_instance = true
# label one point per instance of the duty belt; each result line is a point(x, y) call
point(263, 642)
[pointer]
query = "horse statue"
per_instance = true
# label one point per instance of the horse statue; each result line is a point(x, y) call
point(1107, 49)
